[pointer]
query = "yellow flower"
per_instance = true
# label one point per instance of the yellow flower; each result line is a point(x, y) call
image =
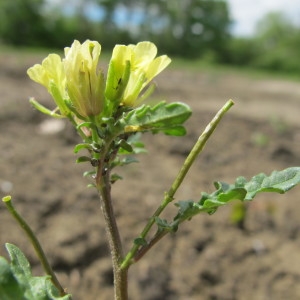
point(85, 83)
point(130, 71)
point(77, 85)
point(51, 74)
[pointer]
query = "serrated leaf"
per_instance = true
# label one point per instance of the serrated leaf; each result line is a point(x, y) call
point(164, 117)
point(278, 182)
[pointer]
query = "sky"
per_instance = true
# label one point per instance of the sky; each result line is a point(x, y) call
point(246, 13)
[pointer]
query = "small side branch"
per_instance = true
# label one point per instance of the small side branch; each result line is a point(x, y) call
point(132, 255)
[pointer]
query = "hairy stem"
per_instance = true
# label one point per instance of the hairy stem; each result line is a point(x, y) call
point(169, 196)
point(114, 240)
point(36, 244)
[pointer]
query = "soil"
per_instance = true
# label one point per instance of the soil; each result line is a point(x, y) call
point(210, 257)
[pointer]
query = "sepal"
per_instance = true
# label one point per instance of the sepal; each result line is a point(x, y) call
point(44, 110)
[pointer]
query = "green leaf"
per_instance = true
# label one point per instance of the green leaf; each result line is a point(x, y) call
point(163, 225)
point(123, 162)
point(126, 146)
point(82, 159)
point(79, 147)
point(89, 173)
point(140, 241)
point(115, 177)
point(165, 117)
point(277, 182)
point(19, 262)
point(87, 124)
point(136, 145)
point(9, 286)
point(17, 282)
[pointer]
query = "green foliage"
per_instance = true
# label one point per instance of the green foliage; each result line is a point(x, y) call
point(163, 117)
point(274, 46)
point(277, 182)
point(136, 145)
point(200, 26)
point(22, 23)
point(242, 51)
point(191, 28)
point(17, 282)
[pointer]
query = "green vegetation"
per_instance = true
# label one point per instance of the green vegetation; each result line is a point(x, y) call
point(107, 111)
point(192, 30)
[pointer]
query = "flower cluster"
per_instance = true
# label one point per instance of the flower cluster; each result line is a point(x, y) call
point(78, 86)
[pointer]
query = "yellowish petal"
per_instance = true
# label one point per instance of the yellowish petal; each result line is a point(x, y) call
point(142, 54)
point(51, 75)
point(38, 74)
point(156, 66)
point(84, 81)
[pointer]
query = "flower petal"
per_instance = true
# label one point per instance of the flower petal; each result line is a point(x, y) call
point(156, 66)
point(84, 82)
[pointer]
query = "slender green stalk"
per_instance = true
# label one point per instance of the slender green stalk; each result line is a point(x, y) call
point(196, 150)
point(169, 196)
point(34, 241)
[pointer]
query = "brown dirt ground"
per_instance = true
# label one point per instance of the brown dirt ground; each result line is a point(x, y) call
point(210, 257)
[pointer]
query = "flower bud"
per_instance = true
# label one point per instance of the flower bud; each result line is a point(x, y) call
point(84, 81)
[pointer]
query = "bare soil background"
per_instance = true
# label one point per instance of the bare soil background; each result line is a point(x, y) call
point(210, 257)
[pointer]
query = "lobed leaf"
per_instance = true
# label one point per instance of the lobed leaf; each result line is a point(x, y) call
point(277, 182)
point(165, 117)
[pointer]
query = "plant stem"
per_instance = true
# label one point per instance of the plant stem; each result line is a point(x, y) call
point(114, 241)
point(196, 150)
point(37, 246)
point(169, 196)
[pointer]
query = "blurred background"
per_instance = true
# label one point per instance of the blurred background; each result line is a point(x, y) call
point(247, 50)
point(260, 34)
